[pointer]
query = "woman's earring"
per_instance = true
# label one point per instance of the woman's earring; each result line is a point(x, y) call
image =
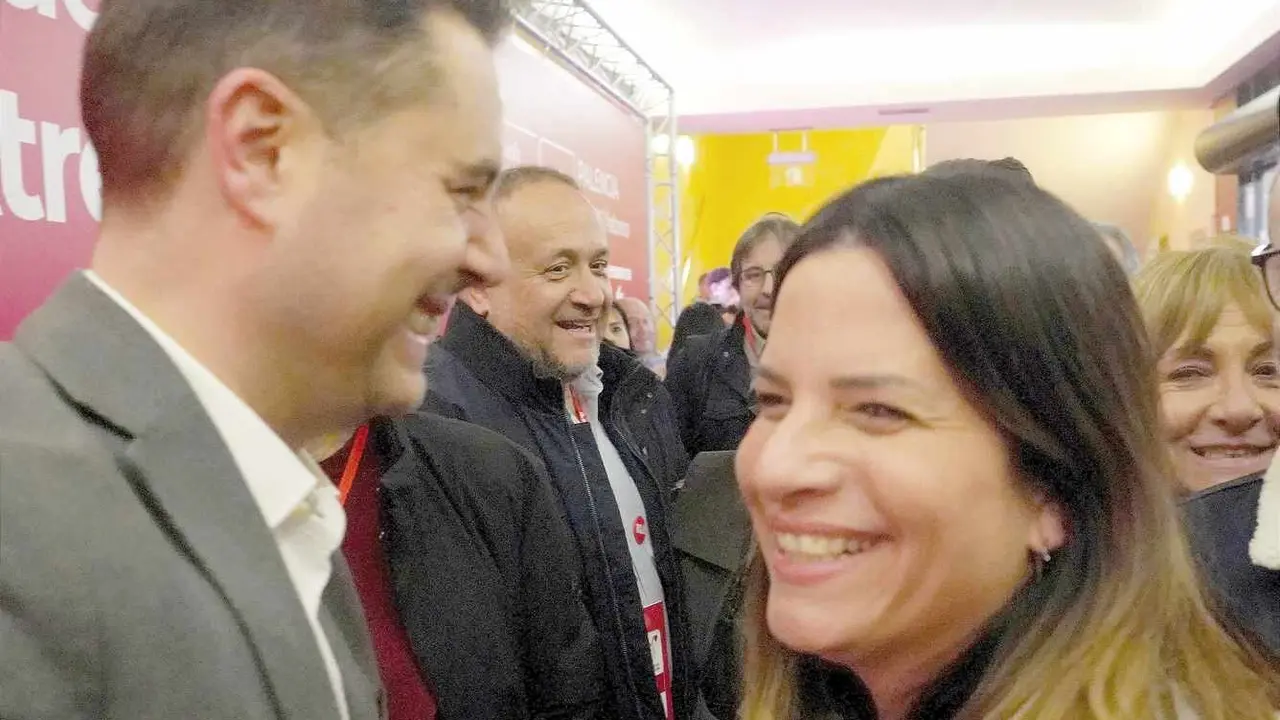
point(1040, 558)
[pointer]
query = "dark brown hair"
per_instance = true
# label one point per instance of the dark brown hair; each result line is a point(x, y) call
point(770, 225)
point(149, 64)
point(1009, 168)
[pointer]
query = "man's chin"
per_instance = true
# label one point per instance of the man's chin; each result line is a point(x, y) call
point(401, 395)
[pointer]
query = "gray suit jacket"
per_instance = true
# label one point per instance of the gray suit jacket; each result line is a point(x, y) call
point(137, 577)
point(711, 529)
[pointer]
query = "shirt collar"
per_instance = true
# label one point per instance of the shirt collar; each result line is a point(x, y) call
point(1264, 549)
point(279, 479)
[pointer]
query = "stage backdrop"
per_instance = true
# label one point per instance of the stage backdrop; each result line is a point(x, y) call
point(49, 187)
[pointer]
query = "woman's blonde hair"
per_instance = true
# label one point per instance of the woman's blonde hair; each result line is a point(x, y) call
point(1184, 293)
point(1036, 318)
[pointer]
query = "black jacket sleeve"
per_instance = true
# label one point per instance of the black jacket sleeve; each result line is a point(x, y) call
point(685, 380)
point(565, 667)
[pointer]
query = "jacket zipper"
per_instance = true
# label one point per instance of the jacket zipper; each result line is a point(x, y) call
point(604, 556)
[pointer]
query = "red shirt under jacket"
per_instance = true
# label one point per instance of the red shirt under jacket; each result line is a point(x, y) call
point(408, 696)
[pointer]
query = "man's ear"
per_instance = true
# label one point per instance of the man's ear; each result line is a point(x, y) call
point(261, 137)
point(477, 299)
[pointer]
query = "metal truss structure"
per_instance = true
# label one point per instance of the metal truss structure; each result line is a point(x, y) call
point(576, 35)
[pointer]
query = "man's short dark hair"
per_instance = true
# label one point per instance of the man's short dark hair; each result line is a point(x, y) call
point(776, 225)
point(515, 178)
point(149, 64)
point(1009, 168)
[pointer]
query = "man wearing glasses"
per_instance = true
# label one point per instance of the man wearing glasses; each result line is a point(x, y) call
point(1235, 527)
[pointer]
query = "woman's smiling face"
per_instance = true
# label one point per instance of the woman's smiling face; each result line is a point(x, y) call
point(1220, 400)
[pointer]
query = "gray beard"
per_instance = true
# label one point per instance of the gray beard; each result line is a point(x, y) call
point(546, 367)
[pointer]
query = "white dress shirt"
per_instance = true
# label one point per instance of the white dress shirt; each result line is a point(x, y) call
point(298, 502)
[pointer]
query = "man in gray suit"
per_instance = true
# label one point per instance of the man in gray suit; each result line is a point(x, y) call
point(292, 189)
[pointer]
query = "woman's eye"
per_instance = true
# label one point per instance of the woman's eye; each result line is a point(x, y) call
point(1189, 372)
point(767, 401)
point(1266, 370)
point(878, 417)
point(882, 411)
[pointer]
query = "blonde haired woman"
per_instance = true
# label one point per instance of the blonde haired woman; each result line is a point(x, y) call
point(1209, 321)
point(961, 509)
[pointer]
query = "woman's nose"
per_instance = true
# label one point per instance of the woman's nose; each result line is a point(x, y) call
point(790, 463)
point(1237, 407)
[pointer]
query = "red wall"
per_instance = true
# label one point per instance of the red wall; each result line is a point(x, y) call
point(48, 174)
point(49, 193)
point(555, 119)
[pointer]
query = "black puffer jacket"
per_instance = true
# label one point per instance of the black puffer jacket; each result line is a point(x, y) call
point(1221, 521)
point(485, 576)
point(710, 386)
point(476, 374)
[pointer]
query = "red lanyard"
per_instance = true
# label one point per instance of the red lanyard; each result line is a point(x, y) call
point(752, 340)
point(579, 414)
point(353, 464)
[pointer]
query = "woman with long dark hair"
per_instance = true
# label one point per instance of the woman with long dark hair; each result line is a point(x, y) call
point(961, 502)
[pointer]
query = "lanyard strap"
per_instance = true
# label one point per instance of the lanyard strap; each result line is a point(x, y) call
point(353, 464)
point(579, 414)
point(752, 339)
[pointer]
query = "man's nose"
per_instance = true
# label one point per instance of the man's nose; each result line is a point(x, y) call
point(487, 261)
point(590, 290)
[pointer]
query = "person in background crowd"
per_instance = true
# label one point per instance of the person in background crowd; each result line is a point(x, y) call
point(704, 288)
point(644, 336)
point(711, 283)
point(525, 359)
point(468, 576)
point(1121, 247)
point(725, 298)
point(710, 380)
point(941, 533)
point(696, 320)
point(616, 331)
point(1235, 527)
point(168, 550)
point(1210, 324)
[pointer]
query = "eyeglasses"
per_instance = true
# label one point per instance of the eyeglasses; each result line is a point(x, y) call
point(1267, 258)
point(754, 276)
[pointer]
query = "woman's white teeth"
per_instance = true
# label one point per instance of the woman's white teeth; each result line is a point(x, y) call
point(1214, 453)
point(821, 547)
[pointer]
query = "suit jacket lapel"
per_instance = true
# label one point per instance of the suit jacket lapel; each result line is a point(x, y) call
point(710, 496)
point(104, 361)
point(343, 620)
point(196, 483)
